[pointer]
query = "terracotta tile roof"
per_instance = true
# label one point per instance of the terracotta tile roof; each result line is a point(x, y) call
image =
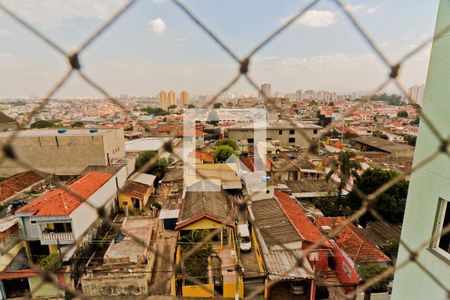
point(305, 228)
point(202, 156)
point(190, 132)
point(168, 128)
point(14, 184)
point(135, 189)
point(61, 203)
point(353, 241)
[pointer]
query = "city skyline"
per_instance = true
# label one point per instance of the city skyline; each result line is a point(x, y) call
point(166, 51)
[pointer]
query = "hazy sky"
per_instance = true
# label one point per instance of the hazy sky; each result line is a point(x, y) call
point(155, 46)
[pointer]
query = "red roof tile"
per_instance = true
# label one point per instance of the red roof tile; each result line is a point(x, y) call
point(298, 218)
point(135, 190)
point(61, 203)
point(202, 156)
point(14, 184)
point(353, 241)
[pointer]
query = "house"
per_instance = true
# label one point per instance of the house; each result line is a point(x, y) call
point(380, 149)
point(203, 213)
point(18, 185)
point(60, 221)
point(136, 192)
point(11, 245)
point(107, 279)
point(353, 242)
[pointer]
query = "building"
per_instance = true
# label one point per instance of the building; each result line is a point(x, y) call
point(184, 99)
point(286, 133)
point(266, 90)
point(163, 100)
point(7, 123)
point(427, 210)
point(64, 152)
point(107, 279)
point(203, 213)
point(60, 221)
point(136, 192)
point(379, 149)
point(172, 98)
point(415, 93)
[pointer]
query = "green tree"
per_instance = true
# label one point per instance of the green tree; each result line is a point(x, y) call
point(143, 158)
point(44, 123)
point(158, 111)
point(227, 142)
point(173, 106)
point(50, 263)
point(77, 124)
point(223, 152)
point(345, 166)
point(390, 204)
point(349, 135)
point(415, 122)
point(410, 139)
point(391, 249)
point(331, 103)
point(380, 135)
point(159, 169)
point(217, 105)
point(191, 106)
point(370, 270)
point(402, 114)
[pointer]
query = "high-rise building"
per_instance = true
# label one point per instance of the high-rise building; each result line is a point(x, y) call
point(266, 89)
point(163, 100)
point(416, 94)
point(184, 98)
point(426, 243)
point(298, 94)
point(172, 98)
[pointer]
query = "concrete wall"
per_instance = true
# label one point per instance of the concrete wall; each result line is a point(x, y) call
point(43, 290)
point(244, 134)
point(64, 154)
point(198, 291)
point(429, 183)
point(129, 285)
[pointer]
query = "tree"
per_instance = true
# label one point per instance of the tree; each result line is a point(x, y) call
point(50, 263)
point(217, 105)
point(349, 135)
point(415, 122)
point(158, 111)
point(410, 139)
point(159, 169)
point(370, 270)
point(173, 106)
point(346, 167)
point(331, 103)
point(380, 135)
point(143, 158)
point(213, 118)
point(227, 142)
point(77, 124)
point(391, 249)
point(191, 106)
point(223, 152)
point(390, 204)
point(44, 124)
point(313, 103)
point(402, 114)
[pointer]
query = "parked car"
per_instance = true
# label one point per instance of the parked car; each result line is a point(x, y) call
point(245, 242)
point(15, 205)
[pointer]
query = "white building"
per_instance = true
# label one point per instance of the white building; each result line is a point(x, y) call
point(416, 94)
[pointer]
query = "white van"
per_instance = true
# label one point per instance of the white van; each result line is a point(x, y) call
point(245, 242)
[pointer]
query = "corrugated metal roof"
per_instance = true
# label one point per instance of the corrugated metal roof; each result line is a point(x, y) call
point(281, 265)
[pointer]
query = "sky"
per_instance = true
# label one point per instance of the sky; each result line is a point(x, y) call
point(155, 46)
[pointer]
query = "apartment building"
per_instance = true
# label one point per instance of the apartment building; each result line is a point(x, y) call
point(64, 152)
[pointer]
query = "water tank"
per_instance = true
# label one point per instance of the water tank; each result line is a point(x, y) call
point(62, 130)
point(93, 130)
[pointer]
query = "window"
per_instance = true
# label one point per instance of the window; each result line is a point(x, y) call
point(441, 241)
point(291, 131)
point(280, 132)
point(250, 140)
point(315, 131)
point(291, 140)
point(268, 139)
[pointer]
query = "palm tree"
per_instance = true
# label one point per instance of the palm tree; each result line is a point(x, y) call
point(346, 167)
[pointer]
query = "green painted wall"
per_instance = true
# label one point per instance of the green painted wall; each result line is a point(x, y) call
point(429, 183)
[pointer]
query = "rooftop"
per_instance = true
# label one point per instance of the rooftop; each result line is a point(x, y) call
point(17, 183)
point(145, 144)
point(353, 241)
point(212, 205)
point(135, 190)
point(54, 132)
point(382, 144)
point(59, 202)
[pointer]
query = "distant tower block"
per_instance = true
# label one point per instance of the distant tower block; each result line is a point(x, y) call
point(163, 100)
point(184, 98)
point(172, 98)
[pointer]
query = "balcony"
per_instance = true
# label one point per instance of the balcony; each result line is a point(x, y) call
point(62, 238)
